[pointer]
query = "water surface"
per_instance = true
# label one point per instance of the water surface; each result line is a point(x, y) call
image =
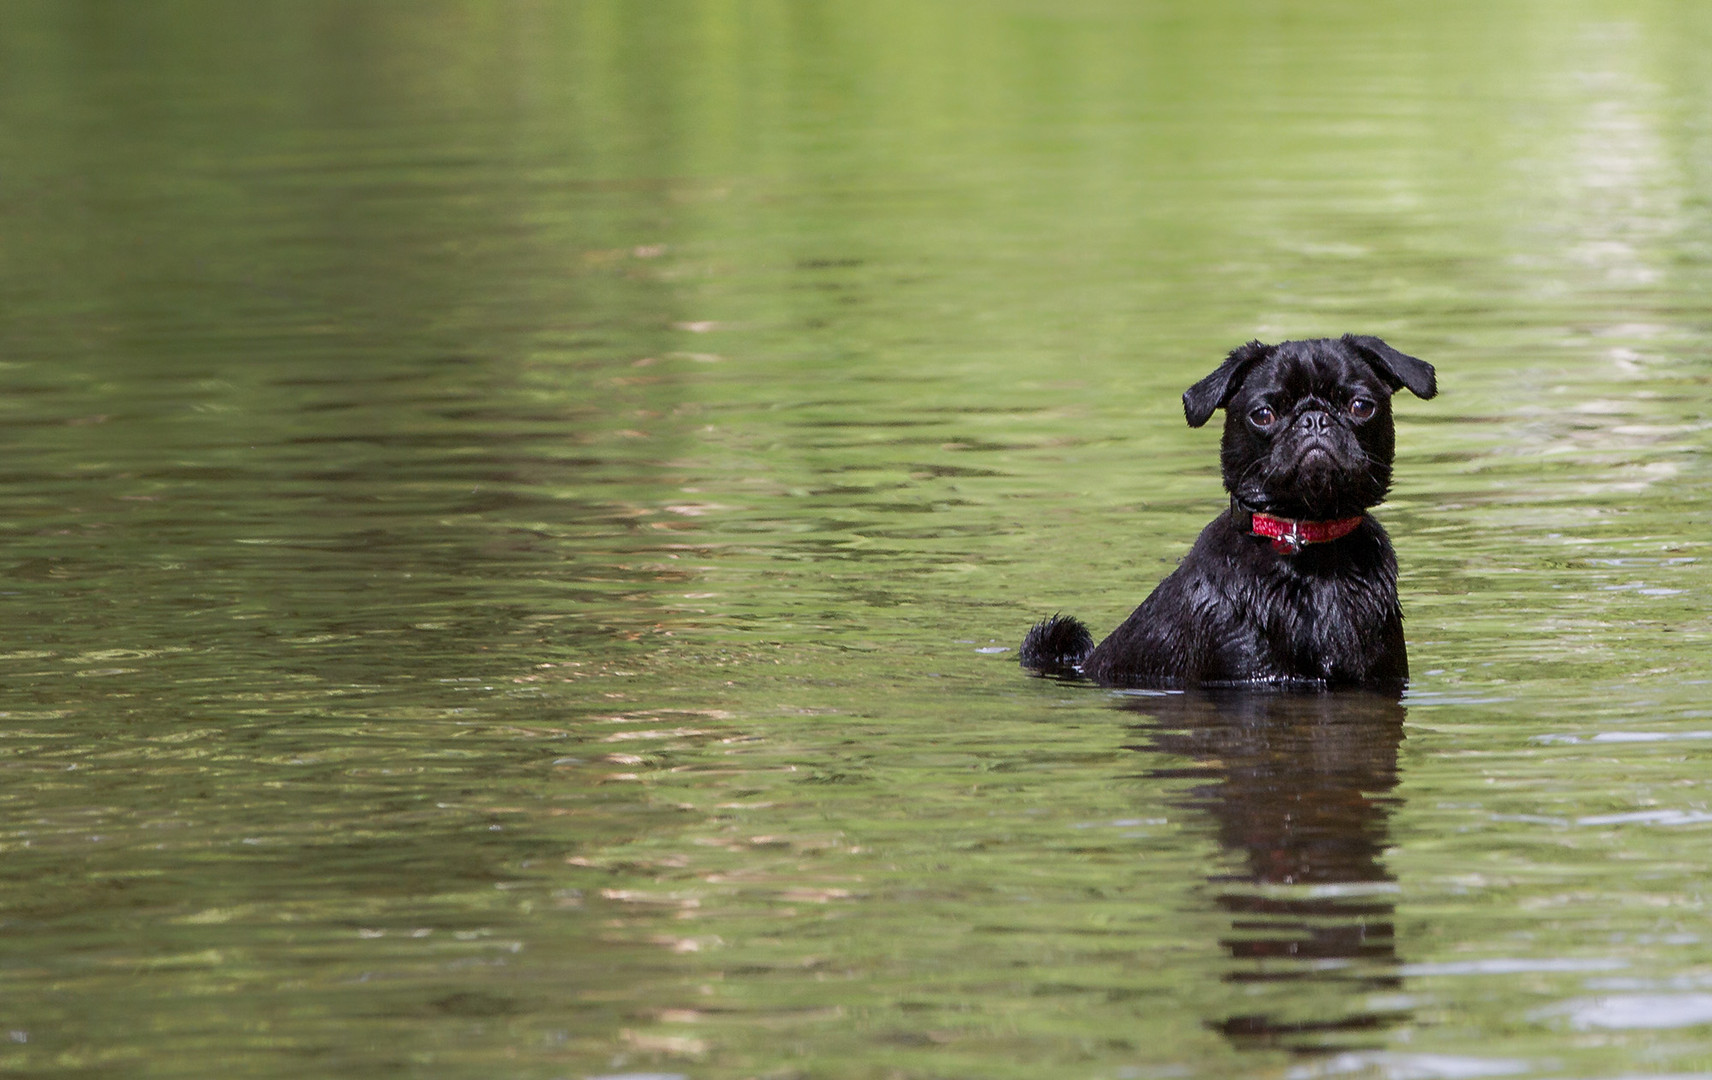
point(515, 516)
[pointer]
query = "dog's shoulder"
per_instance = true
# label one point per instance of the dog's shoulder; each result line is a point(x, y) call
point(1170, 638)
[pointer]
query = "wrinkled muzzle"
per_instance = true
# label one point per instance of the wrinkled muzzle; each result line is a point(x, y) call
point(1320, 464)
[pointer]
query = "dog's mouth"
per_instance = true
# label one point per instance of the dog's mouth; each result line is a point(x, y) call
point(1318, 455)
point(1319, 479)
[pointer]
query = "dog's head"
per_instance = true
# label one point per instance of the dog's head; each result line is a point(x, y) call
point(1308, 430)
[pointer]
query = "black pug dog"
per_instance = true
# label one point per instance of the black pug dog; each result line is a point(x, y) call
point(1295, 584)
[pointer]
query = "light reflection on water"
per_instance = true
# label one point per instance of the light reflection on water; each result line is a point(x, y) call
point(516, 518)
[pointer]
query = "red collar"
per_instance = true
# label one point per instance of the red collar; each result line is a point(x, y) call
point(1288, 536)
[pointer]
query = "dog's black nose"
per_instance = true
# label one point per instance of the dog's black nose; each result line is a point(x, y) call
point(1315, 422)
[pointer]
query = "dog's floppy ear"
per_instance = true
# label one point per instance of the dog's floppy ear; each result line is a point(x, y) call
point(1397, 369)
point(1212, 392)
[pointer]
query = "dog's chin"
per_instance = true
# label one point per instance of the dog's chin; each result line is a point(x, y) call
point(1318, 483)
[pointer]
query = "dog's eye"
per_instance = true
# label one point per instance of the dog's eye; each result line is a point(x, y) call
point(1361, 408)
point(1262, 415)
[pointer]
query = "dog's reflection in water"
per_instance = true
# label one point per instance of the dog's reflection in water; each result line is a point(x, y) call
point(1299, 785)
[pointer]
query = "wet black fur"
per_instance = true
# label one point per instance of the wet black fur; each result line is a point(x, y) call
point(1236, 610)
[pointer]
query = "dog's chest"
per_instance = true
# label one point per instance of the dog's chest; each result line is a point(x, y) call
point(1329, 625)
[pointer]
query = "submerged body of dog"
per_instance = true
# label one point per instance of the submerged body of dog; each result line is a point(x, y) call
point(1295, 583)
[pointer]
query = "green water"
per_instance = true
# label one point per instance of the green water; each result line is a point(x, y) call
point(512, 514)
